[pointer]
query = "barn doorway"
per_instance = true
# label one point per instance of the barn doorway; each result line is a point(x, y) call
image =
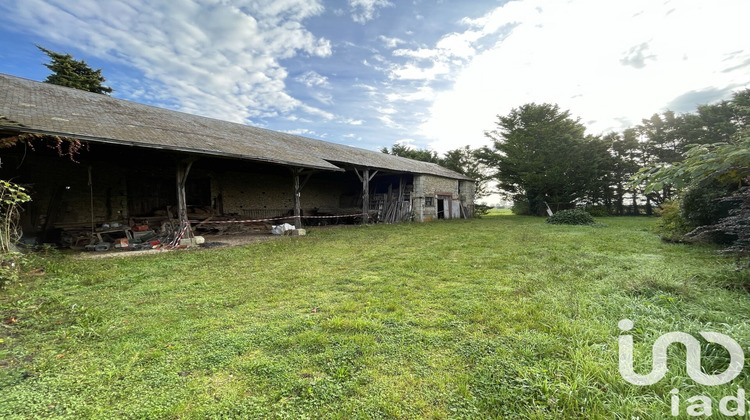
point(444, 206)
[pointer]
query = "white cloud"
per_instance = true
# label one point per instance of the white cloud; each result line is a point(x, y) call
point(607, 62)
point(387, 111)
point(423, 93)
point(409, 143)
point(352, 136)
point(365, 10)
point(413, 71)
point(313, 79)
point(420, 53)
point(391, 42)
point(450, 52)
point(219, 60)
point(305, 132)
point(389, 122)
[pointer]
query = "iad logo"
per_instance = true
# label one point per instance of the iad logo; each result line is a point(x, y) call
point(702, 404)
point(693, 346)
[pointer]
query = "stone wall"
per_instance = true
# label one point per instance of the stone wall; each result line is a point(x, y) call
point(249, 193)
point(428, 187)
point(60, 190)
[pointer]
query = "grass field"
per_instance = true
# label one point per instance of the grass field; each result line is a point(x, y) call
point(502, 317)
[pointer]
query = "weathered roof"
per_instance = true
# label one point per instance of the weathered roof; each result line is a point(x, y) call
point(35, 107)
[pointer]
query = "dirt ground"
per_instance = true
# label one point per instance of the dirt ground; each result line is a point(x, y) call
point(212, 241)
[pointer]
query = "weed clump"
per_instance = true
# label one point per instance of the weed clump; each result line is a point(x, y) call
point(571, 217)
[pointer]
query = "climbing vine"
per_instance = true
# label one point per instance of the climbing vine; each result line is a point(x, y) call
point(65, 146)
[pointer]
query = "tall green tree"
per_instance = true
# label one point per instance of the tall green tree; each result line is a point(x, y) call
point(72, 73)
point(423, 155)
point(625, 151)
point(541, 154)
point(466, 161)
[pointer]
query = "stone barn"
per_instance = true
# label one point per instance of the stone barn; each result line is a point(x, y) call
point(93, 161)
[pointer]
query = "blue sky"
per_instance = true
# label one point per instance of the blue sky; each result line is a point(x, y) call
point(370, 73)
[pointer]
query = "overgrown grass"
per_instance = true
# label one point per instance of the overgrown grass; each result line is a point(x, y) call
point(501, 317)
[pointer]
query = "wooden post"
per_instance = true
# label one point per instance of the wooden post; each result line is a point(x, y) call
point(365, 196)
point(366, 177)
point(183, 169)
point(298, 186)
point(297, 203)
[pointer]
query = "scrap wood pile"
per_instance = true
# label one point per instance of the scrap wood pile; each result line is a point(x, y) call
point(157, 231)
point(393, 206)
point(113, 235)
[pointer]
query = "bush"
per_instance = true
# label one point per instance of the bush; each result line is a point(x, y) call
point(672, 226)
point(481, 210)
point(702, 205)
point(736, 225)
point(571, 217)
point(598, 211)
point(520, 207)
point(11, 198)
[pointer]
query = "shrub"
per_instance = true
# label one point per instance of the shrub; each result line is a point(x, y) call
point(735, 225)
point(11, 198)
point(481, 210)
point(701, 204)
point(598, 211)
point(571, 217)
point(672, 226)
point(520, 207)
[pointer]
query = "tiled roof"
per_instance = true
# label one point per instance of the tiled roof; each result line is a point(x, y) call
point(35, 107)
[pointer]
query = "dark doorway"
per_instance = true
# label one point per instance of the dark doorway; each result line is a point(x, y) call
point(441, 208)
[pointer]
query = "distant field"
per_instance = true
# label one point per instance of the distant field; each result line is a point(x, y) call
point(502, 317)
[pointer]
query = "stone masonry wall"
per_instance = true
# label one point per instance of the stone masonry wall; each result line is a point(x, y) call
point(242, 192)
point(431, 186)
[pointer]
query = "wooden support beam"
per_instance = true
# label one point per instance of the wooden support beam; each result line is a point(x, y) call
point(297, 191)
point(183, 170)
point(307, 178)
point(365, 195)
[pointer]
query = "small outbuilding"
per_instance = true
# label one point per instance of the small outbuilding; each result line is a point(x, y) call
point(90, 160)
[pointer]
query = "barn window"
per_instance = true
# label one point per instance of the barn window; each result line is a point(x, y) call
point(428, 202)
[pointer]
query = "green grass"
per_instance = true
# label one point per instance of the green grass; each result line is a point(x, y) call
point(503, 317)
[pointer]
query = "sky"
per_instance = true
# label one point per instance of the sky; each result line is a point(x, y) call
point(372, 73)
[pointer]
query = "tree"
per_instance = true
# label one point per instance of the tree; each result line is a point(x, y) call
point(466, 161)
point(73, 73)
point(463, 160)
point(625, 151)
point(723, 171)
point(541, 155)
point(423, 155)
